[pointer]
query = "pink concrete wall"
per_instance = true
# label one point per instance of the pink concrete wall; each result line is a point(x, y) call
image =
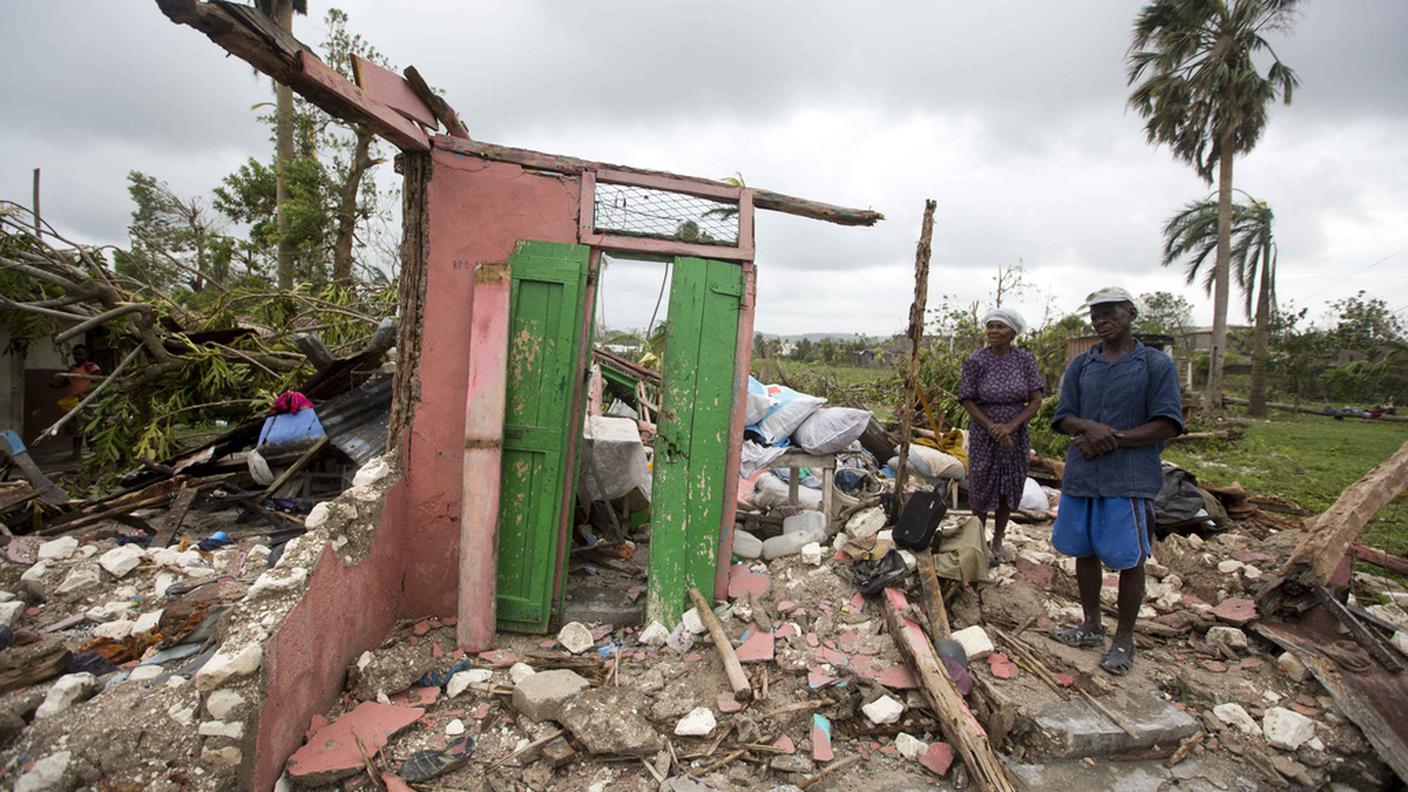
point(345, 611)
point(478, 212)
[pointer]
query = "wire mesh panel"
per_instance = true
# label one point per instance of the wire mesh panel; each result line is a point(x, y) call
point(661, 214)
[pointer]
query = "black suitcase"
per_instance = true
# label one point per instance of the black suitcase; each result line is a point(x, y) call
point(922, 514)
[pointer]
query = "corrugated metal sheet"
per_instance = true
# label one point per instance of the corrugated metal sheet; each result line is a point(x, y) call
point(357, 421)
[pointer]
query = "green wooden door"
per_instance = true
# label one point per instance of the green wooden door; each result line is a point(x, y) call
point(545, 325)
point(691, 447)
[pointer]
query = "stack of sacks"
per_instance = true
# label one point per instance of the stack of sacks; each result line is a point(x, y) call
point(931, 464)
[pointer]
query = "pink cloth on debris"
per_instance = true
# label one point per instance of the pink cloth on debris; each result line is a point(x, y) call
point(291, 402)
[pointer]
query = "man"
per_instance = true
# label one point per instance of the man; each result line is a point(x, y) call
point(77, 386)
point(1119, 403)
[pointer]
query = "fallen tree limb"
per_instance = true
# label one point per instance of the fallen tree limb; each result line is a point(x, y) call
point(53, 429)
point(1312, 411)
point(960, 728)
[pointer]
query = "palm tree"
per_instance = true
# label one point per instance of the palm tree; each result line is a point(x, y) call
point(1202, 94)
point(1191, 234)
point(282, 11)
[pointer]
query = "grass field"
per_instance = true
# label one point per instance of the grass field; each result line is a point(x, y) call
point(1306, 460)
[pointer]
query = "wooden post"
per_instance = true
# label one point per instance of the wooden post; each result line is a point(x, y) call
point(933, 596)
point(483, 452)
point(737, 680)
point(916, 337)
point(960, 728)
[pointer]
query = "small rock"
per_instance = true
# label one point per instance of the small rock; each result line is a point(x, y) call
point(371, 473)
point(698, 723)
point(144, 672)
point(146, 622)
point(654, 635)
point(693, 623)
point(162, 582)
point(277, 580)
point(226, 757)
point(812, 554)
point(542, 695)
point(938, 758)
point(227, 663)
point(10, 612)
point(121, 559)
point(1231, 637)
point(1400, 641)
point(69, 690)
point(575, 637)
point(184, 715)
point(883, 710)
point(461, 681)
point(1195, 541)
point(1235, 716)
point(222, 703)
point(1229, 566)
point(57, 549)
point(45, 774)
point(33, 579)
point(79, 578)
point(975, 642)
point(520, 672)
point(454, 728)
point(1285, 729)
point(1251, 573)
point(1293, 667)
point(231, 729)
point(909, 746)
point(116, 630)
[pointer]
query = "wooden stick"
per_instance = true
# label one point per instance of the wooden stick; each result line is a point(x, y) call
point(538, 743)
point(294, 468)
point(703, 771)
point(957, 722)
point(835, 767)
point(933, 598)
point(916, 339)
point(367, 762)
point(742, 690)
point(1184, 748)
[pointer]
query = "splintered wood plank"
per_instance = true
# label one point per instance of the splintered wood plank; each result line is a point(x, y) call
point(1330, 535)
point(184, 497)
point(321, 80)
point(436, 103)
point(390, 89)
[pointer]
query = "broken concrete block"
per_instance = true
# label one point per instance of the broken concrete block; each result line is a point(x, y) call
point(654, 635)
point(83, 576)
point(1236, 611)
point(454, 728)
point(540, 697)
point(575, 637)
point(222, 703)
point(812, 554)
point(698, 723)
point(1072, 729)
point(610, 720)
point(1286, 729)
point(746, 545)
point(183, 714)
point(46, 773)
point(693, 623)
point(883, 710)
point(371, 473)
point(121, 559)
point(227, 756)
point(231, 729)
point(333, 752)
point(520, 671)
point(277, 580)
point(1230, 637)
point(10, 612)
point(1235, 716)
point(461, 681)
point(317, 516)
point(32, 580)
point(680, 640)
point(909, 746)
point(116, 630)
point(975, 641)
point(144, 672)
point(57, 549)
point(146, 622)
point(69, 690)
point(227, 663)
point(1294, 668)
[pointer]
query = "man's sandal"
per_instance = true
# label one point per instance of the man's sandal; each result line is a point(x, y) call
point(1080, 637)
point(1119, 660)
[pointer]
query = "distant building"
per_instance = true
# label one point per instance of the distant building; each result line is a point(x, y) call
point(1159, 341)
point(1199, 339)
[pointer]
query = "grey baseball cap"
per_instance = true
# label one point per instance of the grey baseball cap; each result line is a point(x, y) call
point(1109, 294)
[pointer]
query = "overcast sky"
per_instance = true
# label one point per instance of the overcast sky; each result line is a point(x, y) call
point(1011, 115)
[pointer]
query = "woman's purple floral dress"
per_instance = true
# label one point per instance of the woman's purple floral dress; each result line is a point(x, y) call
point(1000, 386)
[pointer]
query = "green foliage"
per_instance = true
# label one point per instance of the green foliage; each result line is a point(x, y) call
point(1365, 324)
point(1191, 235)
point(1163, 313)
point(24, 327)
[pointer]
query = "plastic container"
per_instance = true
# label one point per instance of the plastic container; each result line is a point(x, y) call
point(746, 545)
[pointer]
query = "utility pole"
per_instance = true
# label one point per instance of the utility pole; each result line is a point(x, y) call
point(38, 232)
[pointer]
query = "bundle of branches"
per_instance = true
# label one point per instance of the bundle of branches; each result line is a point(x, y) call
point(184, 358)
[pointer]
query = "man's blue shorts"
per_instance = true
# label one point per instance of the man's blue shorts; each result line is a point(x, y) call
point(1115, 529)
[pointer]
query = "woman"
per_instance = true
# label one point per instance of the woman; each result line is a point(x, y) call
point(1001, 390)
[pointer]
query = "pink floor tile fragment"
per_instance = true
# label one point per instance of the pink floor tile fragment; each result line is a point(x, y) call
point(437, 651)
point(693, 657)
point(727, 703)
point(785, 744)
point(786, 606)
point(898, 678)
point(821, 738)
point(394, 783)
point(857, 603)
point(421, 628)
point(749, 583)
point(757, 647)
point(332, 751)
point(819, 677)
point(812, 640)
point(938, 758)
point(785, 631)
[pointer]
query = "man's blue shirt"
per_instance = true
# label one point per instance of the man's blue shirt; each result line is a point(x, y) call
point(1140, 386)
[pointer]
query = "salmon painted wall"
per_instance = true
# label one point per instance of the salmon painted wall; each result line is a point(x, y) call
point(478, 211)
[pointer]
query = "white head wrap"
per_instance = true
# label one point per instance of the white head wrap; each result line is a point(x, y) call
point(1006, 316)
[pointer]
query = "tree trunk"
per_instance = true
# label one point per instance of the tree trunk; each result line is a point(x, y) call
point(347, 207)
point(283, 154)
point(1257, 397)
point(1218, 357)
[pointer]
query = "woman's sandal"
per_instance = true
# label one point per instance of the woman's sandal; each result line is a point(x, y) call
point(1080, 637)
point(430, 763)
point(1119, 660)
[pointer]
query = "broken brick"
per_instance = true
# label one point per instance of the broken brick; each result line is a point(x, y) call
point(937, 758)
point(727, 703)
point(1236, 611)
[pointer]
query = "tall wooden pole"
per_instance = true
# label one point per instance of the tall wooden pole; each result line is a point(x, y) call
point(916, 337)
point(483, 453)
point(38, 226)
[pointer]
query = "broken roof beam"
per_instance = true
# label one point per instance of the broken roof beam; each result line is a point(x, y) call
point(254, 38)
point(762, 199)
point(437, 104)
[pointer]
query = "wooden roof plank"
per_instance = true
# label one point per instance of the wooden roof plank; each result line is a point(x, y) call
point(390, 89)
